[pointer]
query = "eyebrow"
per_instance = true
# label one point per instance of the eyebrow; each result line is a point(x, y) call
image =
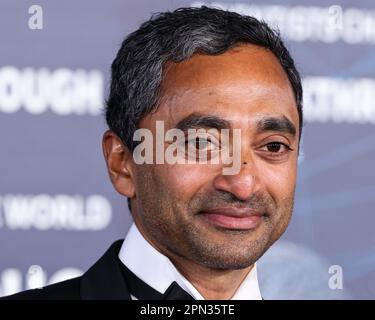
point(196, 120)
point(280, 124)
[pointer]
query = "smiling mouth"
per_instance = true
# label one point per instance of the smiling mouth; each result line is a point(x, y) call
point(233, 218)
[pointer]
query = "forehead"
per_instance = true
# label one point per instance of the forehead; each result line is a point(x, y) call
point(241, 84)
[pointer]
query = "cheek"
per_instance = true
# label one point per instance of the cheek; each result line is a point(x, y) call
point(186, 180)
point(279, 180)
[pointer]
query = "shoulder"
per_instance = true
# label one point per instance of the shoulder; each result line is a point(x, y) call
point(104, 280)
point(65, 290)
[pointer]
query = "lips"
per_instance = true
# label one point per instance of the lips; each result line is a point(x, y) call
point(233, 218)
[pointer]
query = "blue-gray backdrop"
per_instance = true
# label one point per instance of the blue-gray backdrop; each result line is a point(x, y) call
point(58, 210)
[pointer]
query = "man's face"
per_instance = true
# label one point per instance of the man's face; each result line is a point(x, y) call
point(188, 209)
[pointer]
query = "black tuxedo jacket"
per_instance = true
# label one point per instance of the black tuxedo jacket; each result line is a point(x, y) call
point(107, 279)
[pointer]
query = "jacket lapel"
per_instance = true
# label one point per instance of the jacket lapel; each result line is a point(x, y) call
point(104, 280)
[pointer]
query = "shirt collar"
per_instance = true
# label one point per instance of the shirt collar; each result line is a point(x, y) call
point(158, 271)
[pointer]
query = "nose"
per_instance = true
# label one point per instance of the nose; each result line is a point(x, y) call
point(241, 185)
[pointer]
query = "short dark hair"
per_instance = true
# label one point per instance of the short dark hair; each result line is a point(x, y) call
point(137, 70)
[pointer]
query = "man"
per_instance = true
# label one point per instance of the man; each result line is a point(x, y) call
point(197, 231)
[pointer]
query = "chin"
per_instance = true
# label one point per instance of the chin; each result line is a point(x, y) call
point(229, 263)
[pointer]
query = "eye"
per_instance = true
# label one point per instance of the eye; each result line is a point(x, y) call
point(276, 147)
point(201, 148)
point(199, 143)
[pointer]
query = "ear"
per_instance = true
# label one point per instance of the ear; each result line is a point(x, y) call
point(119, 161)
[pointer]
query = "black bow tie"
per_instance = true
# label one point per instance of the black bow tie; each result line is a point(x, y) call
point(175, 292)
point(143, 291)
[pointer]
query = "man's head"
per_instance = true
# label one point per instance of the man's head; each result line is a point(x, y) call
point(207, 68)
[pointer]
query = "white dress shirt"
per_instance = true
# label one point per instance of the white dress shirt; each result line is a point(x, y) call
point(158, 271)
